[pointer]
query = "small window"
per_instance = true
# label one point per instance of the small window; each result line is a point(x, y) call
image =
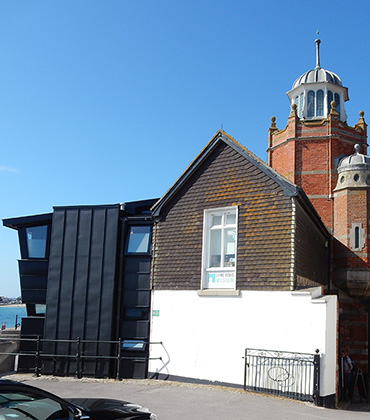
point(337, 100)
point(40, 309)
point(357, 237)
point(138, 240)
point(330, 100)
point(133, 345)
point(219, 248)
point(311, 104)
point(300, 106)
point(36, 241)
point(320, 103)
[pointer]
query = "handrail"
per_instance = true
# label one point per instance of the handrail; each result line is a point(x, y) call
point(78, 355)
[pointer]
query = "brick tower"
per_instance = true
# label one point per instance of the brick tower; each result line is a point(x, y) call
point(308, 149)
point(351, 225)
point(351, 254)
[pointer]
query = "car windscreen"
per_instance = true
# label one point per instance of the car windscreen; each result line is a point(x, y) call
point(28, 405)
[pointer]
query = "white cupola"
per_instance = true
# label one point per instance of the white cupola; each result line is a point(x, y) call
point(314, 91)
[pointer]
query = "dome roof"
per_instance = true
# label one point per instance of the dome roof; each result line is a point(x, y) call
point(354, 171)
point(355, 162)
point(318, 75)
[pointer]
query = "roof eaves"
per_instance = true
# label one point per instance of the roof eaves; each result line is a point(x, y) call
point(23, 221)
point(202, 155)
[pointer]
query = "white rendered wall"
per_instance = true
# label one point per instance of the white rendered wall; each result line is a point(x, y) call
point(204, 337)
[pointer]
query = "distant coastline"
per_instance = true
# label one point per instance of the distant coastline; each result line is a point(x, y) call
point(12, 305)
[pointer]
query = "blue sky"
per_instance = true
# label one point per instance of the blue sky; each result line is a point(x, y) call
point(109, 101)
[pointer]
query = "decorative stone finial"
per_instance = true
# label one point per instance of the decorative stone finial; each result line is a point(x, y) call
point(273, 125)
point(357, 148)
point(333, 105)
point(361, 124)
point(293, 110)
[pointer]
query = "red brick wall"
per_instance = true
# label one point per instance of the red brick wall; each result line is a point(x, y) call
point(307, 154)
point(353, 331)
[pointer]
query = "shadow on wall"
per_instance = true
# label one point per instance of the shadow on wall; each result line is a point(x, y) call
point(8, 344)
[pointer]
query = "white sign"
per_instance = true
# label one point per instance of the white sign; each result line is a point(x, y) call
point(221, 280)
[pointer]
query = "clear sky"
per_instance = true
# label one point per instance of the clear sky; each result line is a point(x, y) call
point(108, 101)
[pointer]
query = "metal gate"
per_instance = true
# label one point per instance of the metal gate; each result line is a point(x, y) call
point(293, 375)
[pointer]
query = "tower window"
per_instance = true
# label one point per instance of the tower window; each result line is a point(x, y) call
point(310, 104)
point(357, 237)
point(298, 100)
point(315, 104)
point(330, 99)
point(300, 106)
point(337, 100)
point(319, 103)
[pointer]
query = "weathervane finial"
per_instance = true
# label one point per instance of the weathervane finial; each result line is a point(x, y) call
point(317, 41)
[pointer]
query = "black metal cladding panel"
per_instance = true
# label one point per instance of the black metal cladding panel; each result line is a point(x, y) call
point(135, 329)
point(33, 267)
point(138, 264)
point(33, 282)
point(82, 273)
point(134, 368)
point(33, 325)
point(33, 296)
point(136, 298)
point(137, 281)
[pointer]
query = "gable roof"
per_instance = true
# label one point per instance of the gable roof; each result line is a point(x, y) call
point(289, 188)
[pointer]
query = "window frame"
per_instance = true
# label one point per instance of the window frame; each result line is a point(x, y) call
point(23, 241)
point(127, 239)
point(207, 269)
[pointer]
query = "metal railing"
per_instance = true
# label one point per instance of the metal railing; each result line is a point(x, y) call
point(293, 375)
point(79, 351)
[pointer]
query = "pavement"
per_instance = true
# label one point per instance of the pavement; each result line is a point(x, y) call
point(183, 401)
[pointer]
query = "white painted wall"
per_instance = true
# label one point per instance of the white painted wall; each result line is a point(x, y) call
point(204, 337)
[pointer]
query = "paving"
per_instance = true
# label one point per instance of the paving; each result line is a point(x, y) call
point(183, 401)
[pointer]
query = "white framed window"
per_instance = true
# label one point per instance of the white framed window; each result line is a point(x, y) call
point(220, 231)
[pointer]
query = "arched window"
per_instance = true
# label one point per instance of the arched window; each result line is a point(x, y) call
point(357, 237)
point(319, 103)
point(337, 100)
point(330, 99)
point(310, 104)
point(300, 106)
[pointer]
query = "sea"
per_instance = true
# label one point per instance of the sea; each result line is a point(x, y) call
point(8, 315)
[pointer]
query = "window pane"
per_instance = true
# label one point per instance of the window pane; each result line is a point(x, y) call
point(230, 219)
point(337, 100)
point(215, 248)
point(310, 104)
point(229, 251)
point(300, 107)
point(330, 99)
point(216, 220)
point(138, 239)
point(320, 103)
point(36, 241)
point(40, 309)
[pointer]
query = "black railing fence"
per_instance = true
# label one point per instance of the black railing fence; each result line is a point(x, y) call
point(79, 352)
point(293, 375)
